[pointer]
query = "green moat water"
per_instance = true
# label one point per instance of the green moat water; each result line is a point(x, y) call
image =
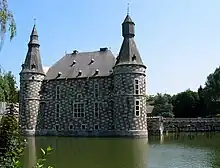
point(172, 151)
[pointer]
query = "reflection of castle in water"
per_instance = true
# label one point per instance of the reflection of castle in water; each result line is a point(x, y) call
point(93, 153)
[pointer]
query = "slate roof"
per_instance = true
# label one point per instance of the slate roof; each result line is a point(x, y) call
point(129, 53)
point(84, 64)
point(33, 60)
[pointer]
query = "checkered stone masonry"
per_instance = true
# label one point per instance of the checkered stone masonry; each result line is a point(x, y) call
point(77, 91)
point(30, 86)
point(126, 122)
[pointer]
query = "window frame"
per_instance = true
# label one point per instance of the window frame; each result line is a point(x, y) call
point(96, 90)
point(135, 108)
point(57, 110)
point(78, 109)
point(82, 126)
point(58, 92)
point(96, 109)
point(137, 84)
point(70, 129)
point(95, 127)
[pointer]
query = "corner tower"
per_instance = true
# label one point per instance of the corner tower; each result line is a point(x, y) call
point(130, 86)
point(31, 77)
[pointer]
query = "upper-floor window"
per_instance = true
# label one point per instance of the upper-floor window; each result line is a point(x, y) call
point(136, 87)
point(137, 108)
point(57, 109)
point(96, 109)
point(96, 90)
point(57, 92)
point(78, 110)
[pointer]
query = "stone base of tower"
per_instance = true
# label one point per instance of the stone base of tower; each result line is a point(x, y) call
point(108, 133)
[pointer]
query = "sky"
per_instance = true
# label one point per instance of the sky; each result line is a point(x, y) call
point(179, 40)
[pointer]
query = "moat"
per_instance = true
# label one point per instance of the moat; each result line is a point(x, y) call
point(200, 150)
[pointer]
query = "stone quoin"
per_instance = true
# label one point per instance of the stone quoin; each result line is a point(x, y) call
point(85, 93)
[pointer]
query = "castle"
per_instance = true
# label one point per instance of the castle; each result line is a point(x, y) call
point(85, 93)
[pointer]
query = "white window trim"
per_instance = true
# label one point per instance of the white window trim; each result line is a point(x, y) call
point(135, 111)
point(56, 110)
point(82, 126)
point(136, 85)
point(77, 103)
point(95, 126)
point(94, 109)
point(96, 86)
point(57, 97)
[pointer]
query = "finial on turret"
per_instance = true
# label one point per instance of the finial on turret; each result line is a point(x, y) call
point(34, 21)
point(128, 8)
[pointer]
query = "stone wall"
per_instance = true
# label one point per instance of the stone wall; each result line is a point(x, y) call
point(156, 124)
point(30, 86)
point(126, 97)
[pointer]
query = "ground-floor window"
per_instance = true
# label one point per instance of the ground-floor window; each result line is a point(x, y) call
point(70, 127)
point(83, 126)
point(137, 108)
point(57, 127)
point(78, 110)
point(96, 127)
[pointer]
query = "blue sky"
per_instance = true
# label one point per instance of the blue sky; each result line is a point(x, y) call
point(179, 40)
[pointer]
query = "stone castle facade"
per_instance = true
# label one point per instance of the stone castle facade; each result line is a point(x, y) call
point(85, 93)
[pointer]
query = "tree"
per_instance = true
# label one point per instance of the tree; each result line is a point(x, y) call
point(7, 22)
point(8, 90)
point(185, 104)
point(162, 105)
point(211, 92)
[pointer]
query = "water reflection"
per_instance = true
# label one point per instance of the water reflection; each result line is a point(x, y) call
point(91, 153)
point(168, 151)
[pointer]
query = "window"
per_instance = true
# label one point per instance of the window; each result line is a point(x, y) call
point(83, 126)
point(136, 87)
point(78, 110)
point(57, 127)
point(57, 108)
point(96, 90)
point(57, 92)
point(96, 127)
point(96, 109)
point(137, 108)
point(70, 127)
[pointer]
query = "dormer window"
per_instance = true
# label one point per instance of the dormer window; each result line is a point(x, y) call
point(92, 60)
point(75, 52)
point(80, 73)
point(33, 66)
point(134, 57)
point(96, 72)
point(59, 74)
point(74, 62)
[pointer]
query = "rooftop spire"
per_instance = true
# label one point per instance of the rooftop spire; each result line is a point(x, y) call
point(33, 60)
point(34, 36)
point(129, 53)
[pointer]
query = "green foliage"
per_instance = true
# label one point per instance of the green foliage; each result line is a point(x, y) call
point(162, 105)
point(186, 104)
point(8, 90)
point(7, 22)
point(12, 145)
